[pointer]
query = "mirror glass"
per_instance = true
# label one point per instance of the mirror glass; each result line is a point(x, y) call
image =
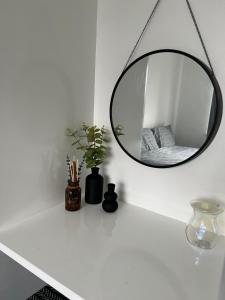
point(166, 108)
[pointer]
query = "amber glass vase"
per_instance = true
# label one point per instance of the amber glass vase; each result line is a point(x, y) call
point(73, 196)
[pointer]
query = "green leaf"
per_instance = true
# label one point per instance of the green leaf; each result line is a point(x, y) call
point(91, 135)
point(98, 141)
point(90, 138)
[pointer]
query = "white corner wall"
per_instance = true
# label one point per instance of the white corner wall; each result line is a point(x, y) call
point(160, 103)
point(166, 191)
point(47, 58)
point(196, 94)
point(131, 93)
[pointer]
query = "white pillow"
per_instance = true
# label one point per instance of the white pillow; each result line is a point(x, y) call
point(148, 139)
point(166, 136)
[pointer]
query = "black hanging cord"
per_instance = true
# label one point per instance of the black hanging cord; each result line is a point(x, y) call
point(195, 24)
point(199, 34)
point(142, 33)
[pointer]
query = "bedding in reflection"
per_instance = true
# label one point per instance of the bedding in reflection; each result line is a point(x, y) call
point(158, 147)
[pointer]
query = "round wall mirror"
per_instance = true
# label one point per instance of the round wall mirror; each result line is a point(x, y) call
point(166, 108)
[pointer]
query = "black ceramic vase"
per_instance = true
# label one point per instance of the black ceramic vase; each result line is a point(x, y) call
point(94, 187)
point(109, 204)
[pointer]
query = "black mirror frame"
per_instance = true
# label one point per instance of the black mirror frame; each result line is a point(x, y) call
point(219, 107)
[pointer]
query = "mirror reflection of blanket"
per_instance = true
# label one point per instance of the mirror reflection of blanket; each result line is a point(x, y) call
point(167, 155)
point(158, 147)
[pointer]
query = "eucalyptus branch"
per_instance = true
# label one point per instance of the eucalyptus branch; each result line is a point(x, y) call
point(91, 141)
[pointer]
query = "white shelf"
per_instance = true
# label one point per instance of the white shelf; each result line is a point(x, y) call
point(129, 255)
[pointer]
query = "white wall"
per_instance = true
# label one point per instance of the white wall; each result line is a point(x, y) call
point(166, 191)
point(128, 107)
point(47, 56)
point(162, 90)
point(196, 94)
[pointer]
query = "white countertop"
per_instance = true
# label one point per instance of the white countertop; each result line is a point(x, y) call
point(132, 254)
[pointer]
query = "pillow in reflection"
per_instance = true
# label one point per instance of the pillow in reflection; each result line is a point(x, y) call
point(157, 135)
point(148, 139)
point(166, 136)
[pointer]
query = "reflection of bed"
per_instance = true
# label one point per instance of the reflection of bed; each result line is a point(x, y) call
point(167, 155)
point(158, 147)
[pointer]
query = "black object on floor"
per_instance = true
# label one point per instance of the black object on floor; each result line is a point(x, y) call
point(47, 293)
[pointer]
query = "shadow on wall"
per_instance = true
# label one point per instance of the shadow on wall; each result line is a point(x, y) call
point(120, 186)
point(38, 109)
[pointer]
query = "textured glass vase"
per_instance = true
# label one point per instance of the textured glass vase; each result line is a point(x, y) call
point(202, 231)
